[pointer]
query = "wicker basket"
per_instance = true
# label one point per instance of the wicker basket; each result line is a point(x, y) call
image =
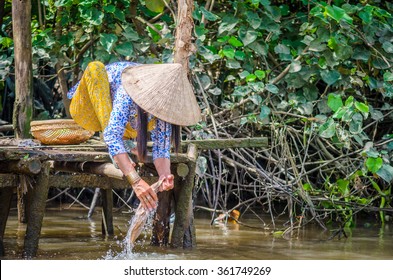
point(59, 132)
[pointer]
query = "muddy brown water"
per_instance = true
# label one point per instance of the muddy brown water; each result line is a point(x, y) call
point(68, 235)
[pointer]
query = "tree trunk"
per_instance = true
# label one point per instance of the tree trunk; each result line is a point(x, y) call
point(185, 25)
point(23, 106)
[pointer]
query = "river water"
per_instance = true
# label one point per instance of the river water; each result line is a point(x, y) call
point(69, 235)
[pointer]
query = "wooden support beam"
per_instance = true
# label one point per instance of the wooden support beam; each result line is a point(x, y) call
point(105, 169)
point(211, 144)
point(5, 203)
point(27, 166)
point(37, 201)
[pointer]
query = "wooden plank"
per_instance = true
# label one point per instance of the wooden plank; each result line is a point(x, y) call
point(16, 153)
point(210, 144)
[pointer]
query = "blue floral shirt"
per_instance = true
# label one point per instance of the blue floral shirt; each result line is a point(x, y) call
point(123, 111)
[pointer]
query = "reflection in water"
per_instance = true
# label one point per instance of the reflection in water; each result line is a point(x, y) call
point(69, 235)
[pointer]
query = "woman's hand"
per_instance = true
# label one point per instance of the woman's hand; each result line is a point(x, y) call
point(146, 195)
point(167, 183)
point(163, 167)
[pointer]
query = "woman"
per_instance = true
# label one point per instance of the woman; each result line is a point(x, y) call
point(125, 100)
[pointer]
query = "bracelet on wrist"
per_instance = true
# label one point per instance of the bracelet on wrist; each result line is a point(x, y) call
point(133, 177)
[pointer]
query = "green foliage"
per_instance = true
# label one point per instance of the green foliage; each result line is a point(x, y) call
point(328, 66)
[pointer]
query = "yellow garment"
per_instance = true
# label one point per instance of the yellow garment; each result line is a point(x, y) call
point(91, 105)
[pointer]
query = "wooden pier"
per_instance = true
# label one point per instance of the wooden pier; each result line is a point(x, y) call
point(89, 165)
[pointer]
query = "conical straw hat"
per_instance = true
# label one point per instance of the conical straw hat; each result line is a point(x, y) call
point(164, 91)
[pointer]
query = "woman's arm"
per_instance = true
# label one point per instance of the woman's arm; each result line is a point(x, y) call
point(113, 137)
point(143, 191)
point(161, 137)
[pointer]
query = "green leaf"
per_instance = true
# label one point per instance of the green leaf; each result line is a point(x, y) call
point(381, 63)
point(307, 187)
point(108, 41)
point(209, 15)
point(265, 112)
point(244, 74)
point(334, 101)
point(356, 124)
point(260, 74)
point(247, 36)
point(260, 48)
point(338, 14)
point(361, 107)
point(366, 14)
point(328, 129)
point(110, 9)
point(295, 66)
point(233, 64)
point(349, 101)
point(282, 49)
point(215, 91)
point(386, 173)
point(388, 76)
point(388, 47)
point(330, 77)
point(251, 78)
point(130, 34)
point(340, 112)
point(235, 42)
point(272, 88)
point(374, 164)
point(253, 19)
point(228, 23)
point(228, 52)
point(239, 55)
point(119, 14)
point(92, 15)
point(125, 49)
point(343, 186)
point(311, 93)
point(156, 6)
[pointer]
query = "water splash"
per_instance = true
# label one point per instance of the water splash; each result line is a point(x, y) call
point(127, 245)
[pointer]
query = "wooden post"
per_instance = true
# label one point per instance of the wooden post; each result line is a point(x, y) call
point(5, 203)
point(183, 234)
point(107, 208)
point(36, 211)
point(23, 106)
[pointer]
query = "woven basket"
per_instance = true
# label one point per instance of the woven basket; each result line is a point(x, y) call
point(59, 132)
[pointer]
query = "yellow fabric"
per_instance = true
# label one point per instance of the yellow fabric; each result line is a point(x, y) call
point(91, 105)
